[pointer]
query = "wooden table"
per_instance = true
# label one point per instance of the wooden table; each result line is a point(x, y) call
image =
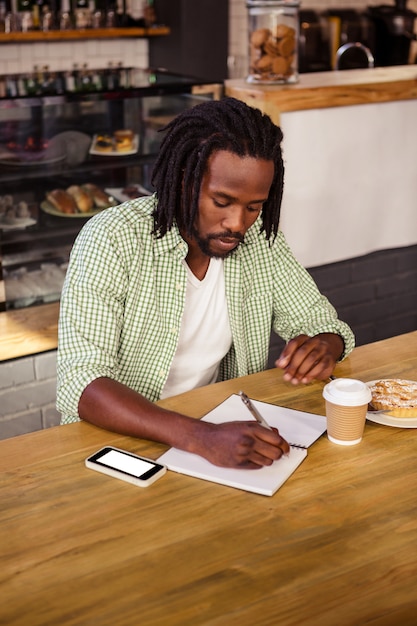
point(336, 545)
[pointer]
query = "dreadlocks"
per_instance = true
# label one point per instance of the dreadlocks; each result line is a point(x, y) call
point(190, 140)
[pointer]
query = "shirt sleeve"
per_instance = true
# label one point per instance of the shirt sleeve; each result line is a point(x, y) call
point(299, 307)
point(91, 315)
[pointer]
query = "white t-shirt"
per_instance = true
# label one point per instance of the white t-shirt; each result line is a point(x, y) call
point(205, 335)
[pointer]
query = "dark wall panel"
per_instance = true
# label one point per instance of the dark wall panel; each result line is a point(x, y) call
point(198, 43)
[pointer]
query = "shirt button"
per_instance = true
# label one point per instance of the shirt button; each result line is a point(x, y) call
point(178, 286)
point(174, 330)
point(161, 374)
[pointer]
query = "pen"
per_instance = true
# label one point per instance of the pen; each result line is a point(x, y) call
point(248, 403)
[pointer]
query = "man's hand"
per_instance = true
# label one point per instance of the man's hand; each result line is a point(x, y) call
point(248, 445)
point(244, 445)
point(307, 358)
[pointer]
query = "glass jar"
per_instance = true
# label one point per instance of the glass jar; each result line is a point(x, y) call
point(273, 41)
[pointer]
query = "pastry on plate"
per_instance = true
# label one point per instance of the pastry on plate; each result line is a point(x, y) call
point(123, 140)
point(62, 201)
point(99, 197)
point(83, 200)
point(397, 396)
point(104, 143)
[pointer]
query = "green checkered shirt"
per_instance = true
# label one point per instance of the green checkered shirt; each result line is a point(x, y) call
point(124, 295)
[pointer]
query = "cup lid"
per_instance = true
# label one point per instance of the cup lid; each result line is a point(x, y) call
point(347, 391)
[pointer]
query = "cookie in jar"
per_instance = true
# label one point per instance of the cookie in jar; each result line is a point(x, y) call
point(273, 41)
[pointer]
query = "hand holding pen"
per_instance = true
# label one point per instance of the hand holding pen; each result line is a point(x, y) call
point(239, 444)
point(261, 420)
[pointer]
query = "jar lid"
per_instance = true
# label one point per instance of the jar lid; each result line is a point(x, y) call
point(347, 392)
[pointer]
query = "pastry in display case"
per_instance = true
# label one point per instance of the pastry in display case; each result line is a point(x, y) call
point(65, 158)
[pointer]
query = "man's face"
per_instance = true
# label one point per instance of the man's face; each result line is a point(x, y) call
point(232, 193)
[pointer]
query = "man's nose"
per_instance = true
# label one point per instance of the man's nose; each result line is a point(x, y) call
point(235, 221)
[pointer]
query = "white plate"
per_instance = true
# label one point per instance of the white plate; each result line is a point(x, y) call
point(117, 192)
point(40, 162)
point(390, 420)
point(51, 210)
point(23, 222)
point(113, 153)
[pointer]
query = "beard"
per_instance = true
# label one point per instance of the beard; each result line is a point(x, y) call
point(204, 243)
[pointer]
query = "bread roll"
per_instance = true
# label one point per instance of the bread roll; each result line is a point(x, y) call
point(81, 197)
point(100, 199)
point(62, 201)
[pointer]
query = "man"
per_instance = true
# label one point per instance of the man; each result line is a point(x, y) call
point(180, 289)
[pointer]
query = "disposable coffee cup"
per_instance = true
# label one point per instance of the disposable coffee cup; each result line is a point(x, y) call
point(346, 406)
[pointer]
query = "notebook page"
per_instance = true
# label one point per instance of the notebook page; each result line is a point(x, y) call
point(295, 426)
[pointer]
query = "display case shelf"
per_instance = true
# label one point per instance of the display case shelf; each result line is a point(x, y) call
point(48, 142)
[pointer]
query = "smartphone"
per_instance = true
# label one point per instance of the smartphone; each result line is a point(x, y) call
point(126, 466)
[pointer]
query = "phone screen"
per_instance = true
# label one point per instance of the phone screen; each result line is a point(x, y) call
point(125, 463)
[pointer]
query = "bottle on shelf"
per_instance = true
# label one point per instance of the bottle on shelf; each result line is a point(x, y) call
point(47, 84)
point(97, 18)
point(31, 84)
point(149, 14)
point(111, 81)
point(21, 85)
point(47, 19)
point(24, 12)
point(2, 86)
point(111, 15)
point(69, 82)
point(76, 75)
point(124, 76)
point(3, 14)
point(38, 77)
point(57, 79)
point(36, 12)
point(85, 82)
point(82, 14)
point(96, 80)
point(11, 86)
point(65, 16)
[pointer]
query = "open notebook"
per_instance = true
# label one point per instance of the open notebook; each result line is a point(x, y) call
point(294, 426)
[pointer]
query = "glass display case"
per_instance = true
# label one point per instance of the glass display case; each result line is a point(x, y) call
point(66, 155)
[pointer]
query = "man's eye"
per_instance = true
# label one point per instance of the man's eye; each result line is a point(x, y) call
point(254, 209)
point(221, 205)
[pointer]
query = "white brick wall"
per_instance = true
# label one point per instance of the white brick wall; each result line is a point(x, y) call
point(20, 58)
point(27, 394)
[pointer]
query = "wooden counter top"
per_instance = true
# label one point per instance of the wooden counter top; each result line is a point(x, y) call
point(329, 89)
point(28, 331)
